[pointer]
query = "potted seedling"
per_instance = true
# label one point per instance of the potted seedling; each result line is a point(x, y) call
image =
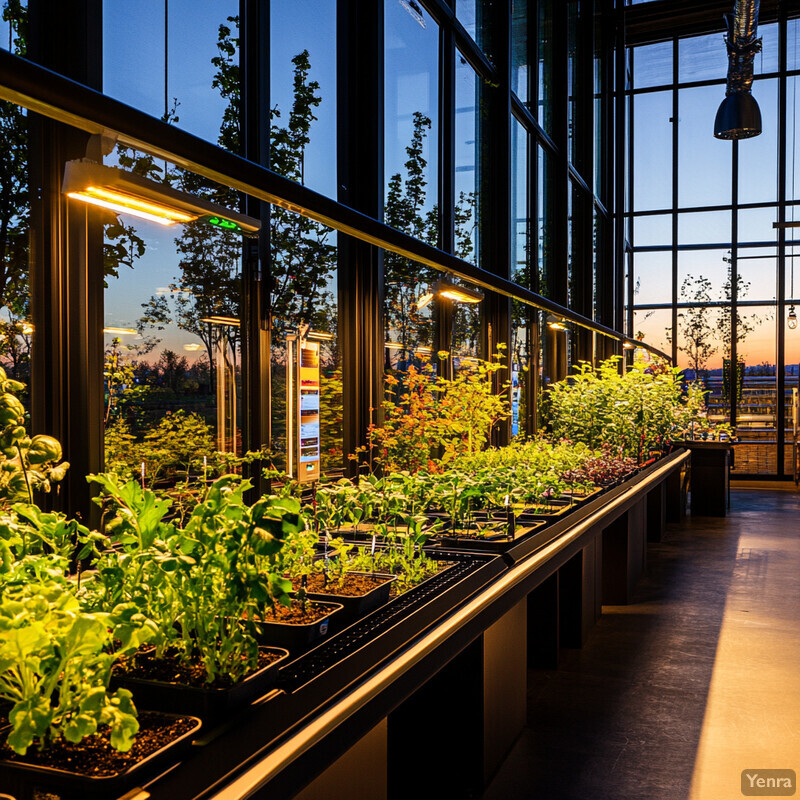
point(202, 585)
point(67, 730)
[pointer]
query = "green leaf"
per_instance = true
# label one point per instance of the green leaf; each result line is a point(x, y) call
point(30, 719)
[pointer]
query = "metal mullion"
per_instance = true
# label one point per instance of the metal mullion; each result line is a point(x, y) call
point(605, 306)
point(689, 84)
point(576, 177)
point(532, 255)
point(780, 294)
point(630, 227)
point(733, 371)
point(493, 118)
point(531, 124)
point(66, 270)
point(442, 310)
point(710, 304)
point(620, 100)
point(675, 154)
point(445, 17)
point(256, 341)
point(446, 144)
point(360, 158)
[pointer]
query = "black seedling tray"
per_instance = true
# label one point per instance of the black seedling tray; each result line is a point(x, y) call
point(355, 606)
point(207, 702)
point(391, 626)
point(30, 781)
point(498, 543)
point(292, 636)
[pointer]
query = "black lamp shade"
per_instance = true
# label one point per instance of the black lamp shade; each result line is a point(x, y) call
point(738, 117)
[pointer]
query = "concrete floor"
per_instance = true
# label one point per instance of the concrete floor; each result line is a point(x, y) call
point(699, 679)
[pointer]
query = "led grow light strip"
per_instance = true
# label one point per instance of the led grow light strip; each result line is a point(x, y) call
point(128, 204)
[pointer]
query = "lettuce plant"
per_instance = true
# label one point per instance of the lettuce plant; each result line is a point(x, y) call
point(55, 666)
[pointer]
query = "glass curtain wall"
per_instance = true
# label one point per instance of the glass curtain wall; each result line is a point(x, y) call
point(176, 304)
point(711, 276)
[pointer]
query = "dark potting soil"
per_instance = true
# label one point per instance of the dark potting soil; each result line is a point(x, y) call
point(171, 670)
point(96, 758)
point(297, 615)
point(351, 586)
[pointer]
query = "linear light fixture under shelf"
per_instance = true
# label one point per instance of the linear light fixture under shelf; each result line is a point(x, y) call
point(126, 193)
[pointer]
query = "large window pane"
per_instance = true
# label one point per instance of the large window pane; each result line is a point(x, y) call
point(652, 65)
point(652, 230)
point(519, 49)
point(10, 20)
point(600, 102)
point(304, 295)
point(172, 339)
point(652, 278)
point(190, 81)
point(467, 15)
point(303, 43)
point(544, 227)
point(792, 139)
point(466, 161)
point(654, 326)
point(520, 224)
point(701, 273)
point(652, 151)
point(793, 44)
point(704, 227)
point(702, 58)
point(756, 421)
point(758, 182)
point(572, 76)
point(757, 268)
point(411, 165)
point(411, 121)
point(767, 59)
point(546, 63)
point(704, 163)
point(755, 224)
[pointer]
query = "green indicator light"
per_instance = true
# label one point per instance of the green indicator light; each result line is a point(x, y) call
point(221, 222)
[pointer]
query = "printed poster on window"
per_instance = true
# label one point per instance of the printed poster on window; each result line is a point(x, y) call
point(308, 420)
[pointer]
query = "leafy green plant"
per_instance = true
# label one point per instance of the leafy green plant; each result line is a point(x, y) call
point(410, 564)
point(27, 463)
point(203, 584)
point(638, 412)
point(55, 667)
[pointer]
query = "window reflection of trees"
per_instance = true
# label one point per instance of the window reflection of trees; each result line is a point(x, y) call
point(15, 327)
point(163, 409)
point(303, 269)
point(409, 286)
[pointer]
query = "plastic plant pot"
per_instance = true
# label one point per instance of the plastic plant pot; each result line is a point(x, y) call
point(297, 636)
point(206, 702)
point(29, 781)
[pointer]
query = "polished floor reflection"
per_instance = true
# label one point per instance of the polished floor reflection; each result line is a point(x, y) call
point(674, 695)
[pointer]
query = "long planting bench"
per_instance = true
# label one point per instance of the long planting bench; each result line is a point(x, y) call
point(437, 675)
